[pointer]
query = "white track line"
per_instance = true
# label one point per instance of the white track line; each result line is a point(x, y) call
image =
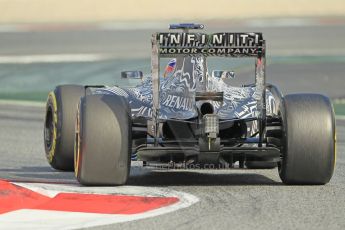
point(154, 25)
point(22, 103)
point(340, 117)
point(53, 58)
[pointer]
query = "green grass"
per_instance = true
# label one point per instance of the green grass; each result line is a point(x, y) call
point(25, 96)
point(339, 108)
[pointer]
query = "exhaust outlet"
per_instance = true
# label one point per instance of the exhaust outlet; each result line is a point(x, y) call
point(206, 108)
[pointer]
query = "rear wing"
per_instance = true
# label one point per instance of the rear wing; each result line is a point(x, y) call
point(184, 44)
point(217, 44)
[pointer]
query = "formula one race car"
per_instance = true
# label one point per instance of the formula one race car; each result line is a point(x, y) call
point(191, 116)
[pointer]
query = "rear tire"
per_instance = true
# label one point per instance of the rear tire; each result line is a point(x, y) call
point(103, 140)
point(308, 139)
point(61, 110)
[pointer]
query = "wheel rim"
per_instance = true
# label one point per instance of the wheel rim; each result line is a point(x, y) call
point(77, 143)
point(49, 129)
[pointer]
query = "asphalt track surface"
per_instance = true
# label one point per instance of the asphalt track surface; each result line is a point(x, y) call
point(229, 199)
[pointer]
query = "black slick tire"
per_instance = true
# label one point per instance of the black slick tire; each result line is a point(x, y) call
point(103, 140)
point(61, 110)
point(309, 152)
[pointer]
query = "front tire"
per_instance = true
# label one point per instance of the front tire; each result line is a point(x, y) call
point(308, 139)
point(103, 140)
point(61, 110)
